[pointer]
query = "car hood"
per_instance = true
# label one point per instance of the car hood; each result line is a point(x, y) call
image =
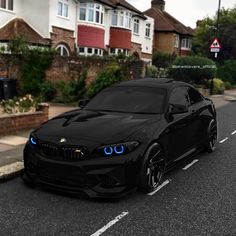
point(89, 126)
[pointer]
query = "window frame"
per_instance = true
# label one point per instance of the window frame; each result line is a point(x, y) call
point(148, 30)
point(61, 48)
point(7, 5)
point(121, 18)
point(186, 43)
point(64, 11)
point(136, 26)
point(94, 13)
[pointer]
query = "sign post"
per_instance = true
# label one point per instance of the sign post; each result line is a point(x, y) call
point(215, 47)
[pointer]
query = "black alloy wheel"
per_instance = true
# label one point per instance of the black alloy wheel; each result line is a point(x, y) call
point(152, 169)
point(212, 136)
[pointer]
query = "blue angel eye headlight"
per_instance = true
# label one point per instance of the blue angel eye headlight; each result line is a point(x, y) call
point(118, 149)
point(33, 141)
point(108, 151)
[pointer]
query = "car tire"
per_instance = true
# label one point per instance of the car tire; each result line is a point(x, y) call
point(210, 146)
point(152, 169)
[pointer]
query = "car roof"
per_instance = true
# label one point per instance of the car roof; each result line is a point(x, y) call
point(152, 82)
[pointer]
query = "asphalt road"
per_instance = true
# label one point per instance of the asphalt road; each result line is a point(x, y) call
point(200, 200)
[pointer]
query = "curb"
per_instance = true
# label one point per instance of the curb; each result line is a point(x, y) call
point(11, 171)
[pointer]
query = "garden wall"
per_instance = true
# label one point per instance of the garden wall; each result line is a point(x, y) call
point(66, 68)
point(11, 124)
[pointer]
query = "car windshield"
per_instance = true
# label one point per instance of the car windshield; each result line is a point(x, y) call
point(140, 100)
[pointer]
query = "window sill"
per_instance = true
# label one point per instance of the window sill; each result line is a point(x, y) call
point(90, 23)
point(63, 17)
point(146, 37)
point(186, 49)
point(136, 34)
point(8, 11)
point(121, 27)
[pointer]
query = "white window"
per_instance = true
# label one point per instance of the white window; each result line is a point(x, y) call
point(63, 8)
point(186, 43)
point(118, 51)
point(90, 51)
point(136, 26)
point(148, 30)
point(6, 4)
point(121, 19)
point(63, 51)
point(91, 12)
point(176, 44)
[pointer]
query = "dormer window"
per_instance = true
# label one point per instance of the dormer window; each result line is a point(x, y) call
point(6, 4)
point(91, 12)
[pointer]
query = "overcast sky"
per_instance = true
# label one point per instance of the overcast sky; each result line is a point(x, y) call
point(187, 11)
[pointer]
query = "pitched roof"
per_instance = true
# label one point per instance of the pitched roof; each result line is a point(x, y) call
point(20, 28)
point(164, 22)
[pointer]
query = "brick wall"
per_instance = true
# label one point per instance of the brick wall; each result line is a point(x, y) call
point(63, 36)
point(10, 124)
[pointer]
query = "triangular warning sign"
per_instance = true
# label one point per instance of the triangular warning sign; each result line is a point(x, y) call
point(215, 44)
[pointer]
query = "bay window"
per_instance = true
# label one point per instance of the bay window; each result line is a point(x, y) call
point(186, 43)
point(121, 19)
point(91, 12)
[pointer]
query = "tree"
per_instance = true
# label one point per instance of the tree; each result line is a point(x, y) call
point(207, 31)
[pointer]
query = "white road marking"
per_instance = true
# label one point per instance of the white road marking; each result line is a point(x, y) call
point(233, 133)
point(190, 164)
point(107, 226)
point(223, 140)
point(160, 187)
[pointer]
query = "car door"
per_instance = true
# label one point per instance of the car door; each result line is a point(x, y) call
point(196, 109)
point(179, 127)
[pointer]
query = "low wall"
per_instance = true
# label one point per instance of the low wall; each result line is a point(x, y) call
point(11, 124)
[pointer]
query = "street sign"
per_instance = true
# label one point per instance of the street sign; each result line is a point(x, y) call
point(215, 47)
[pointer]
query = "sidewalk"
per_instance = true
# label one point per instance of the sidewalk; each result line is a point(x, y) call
point(11, 147)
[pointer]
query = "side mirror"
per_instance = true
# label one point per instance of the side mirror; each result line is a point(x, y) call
point(177, 109)
point(83, 102)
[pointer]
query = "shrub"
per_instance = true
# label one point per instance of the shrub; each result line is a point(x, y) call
point(193, 69)
point(35, 63)
point(218, 86)
point(112, 74)
point(163, 60)
point(72, 90)
point(228, 85)
point(47, 91)
point(151, 71)
point(19, 105)
point(227, 71)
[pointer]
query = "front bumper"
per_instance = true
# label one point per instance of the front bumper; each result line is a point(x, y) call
point(110, 177)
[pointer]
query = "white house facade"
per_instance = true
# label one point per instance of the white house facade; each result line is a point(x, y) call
point(79, 27)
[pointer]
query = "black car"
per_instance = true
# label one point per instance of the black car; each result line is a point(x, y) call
point(124, 138)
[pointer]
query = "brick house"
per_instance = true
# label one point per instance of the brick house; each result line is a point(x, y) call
point(170, 35)
point(79, 27)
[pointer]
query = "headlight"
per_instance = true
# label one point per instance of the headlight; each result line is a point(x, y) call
point(32, 140)
point(118, 149)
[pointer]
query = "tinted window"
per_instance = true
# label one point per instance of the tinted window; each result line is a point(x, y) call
point(129, 100)
point(179, 96)
point(194, 96)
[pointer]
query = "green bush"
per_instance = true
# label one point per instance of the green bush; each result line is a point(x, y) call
point(35, 63)
point(218, 86)
point(151, 71)
point(228, 85)
point(71, 91)
point(163, 60)
point(227, 71)
point(193, 69)
point(112, 74)
point(47, 91)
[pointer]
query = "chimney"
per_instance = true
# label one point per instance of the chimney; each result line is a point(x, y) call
point(158, 4)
